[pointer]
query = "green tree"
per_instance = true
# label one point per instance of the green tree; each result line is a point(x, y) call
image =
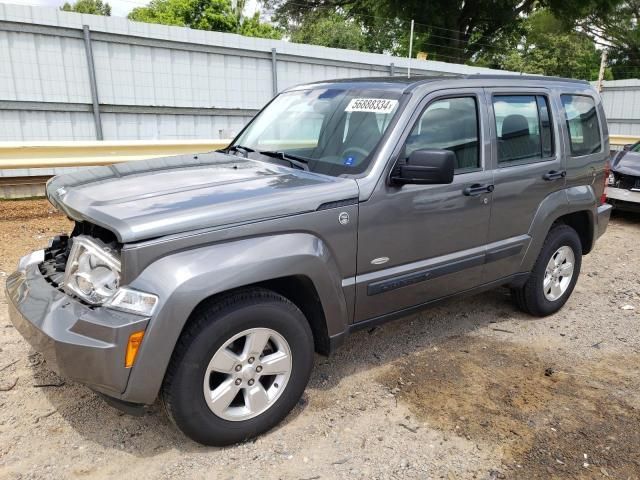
point(329, 29)
point(619, 33)
point(213, 15)
point(93, 7)
point(337, 28)
point(548, 47)
point(449, 30)
point(253, 27)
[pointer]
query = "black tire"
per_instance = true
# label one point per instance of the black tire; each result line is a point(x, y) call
point(210, 327)
point(531, 298)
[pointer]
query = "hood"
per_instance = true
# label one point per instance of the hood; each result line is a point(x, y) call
point(151, 198)
point(627, 163)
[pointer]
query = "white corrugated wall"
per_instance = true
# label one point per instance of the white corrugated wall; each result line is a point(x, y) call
point(621, 101)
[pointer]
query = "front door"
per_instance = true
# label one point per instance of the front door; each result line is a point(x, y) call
point(417, 243)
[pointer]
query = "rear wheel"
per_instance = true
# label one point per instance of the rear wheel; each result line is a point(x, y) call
point(239, 368)
point(554, 274)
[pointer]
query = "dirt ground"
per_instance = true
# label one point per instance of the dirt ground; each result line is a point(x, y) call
point(468, 389)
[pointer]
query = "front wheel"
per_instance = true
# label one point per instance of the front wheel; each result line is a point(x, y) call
point(240, 366)
point(554, 274)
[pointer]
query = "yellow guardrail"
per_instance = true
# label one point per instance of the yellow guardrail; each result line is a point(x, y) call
point(15, 155)
point(88, 153)
point(621, 140)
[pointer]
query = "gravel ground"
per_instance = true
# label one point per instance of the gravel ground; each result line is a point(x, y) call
point(469, 389)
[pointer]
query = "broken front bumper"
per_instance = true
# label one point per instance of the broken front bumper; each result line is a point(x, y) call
point(82, 343)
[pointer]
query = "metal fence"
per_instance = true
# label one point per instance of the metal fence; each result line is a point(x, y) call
point(621, 101)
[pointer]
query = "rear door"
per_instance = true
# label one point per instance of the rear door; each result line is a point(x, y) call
point(587, 139)
point(527, 153)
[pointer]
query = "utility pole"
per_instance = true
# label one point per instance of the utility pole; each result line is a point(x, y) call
point(603, 65)
point(410, 50)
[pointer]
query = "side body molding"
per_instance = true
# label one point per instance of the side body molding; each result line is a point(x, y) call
point(184, 279)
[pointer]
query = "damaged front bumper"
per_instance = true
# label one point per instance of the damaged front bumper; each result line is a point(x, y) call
point(82, 343)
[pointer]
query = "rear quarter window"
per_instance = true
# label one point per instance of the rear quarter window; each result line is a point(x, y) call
point(582, 123)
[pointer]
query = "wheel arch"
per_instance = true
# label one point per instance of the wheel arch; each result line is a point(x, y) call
point(575, 207)
point(299, 290)
point(582, 222)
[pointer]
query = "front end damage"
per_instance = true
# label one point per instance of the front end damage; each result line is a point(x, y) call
point(623, 189)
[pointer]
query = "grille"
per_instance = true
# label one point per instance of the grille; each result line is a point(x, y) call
point(627, 181)
point(55, 260)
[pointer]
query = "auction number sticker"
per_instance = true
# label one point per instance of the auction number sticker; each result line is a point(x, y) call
point(375, 105)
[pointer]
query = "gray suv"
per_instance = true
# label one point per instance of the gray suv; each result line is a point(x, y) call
point(210, 280)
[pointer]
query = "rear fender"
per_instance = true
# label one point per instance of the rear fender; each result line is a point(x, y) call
point(554, 206)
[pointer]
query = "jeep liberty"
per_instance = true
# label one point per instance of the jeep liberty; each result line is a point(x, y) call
point(211, 280)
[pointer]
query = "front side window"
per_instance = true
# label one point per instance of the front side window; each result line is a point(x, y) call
point(523, 127)
point(582, 123)
point(449, 124)
point(334, 131)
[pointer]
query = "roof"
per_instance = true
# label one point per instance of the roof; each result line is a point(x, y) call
point(400, 83)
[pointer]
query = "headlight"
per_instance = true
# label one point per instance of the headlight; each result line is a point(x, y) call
point(133, 301)
point(92, 272)
point(611, 180)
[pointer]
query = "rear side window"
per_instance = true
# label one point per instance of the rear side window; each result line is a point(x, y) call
point(523, 126)
point(582, 122)
point(449, 124)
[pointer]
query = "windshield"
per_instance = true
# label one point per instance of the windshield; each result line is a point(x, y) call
point(332, 131)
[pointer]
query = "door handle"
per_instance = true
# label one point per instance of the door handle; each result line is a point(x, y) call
point(554, 175)
point(477, 189)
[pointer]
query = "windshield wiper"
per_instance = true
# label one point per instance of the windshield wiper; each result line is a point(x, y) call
point(238, 148)
point(295, 160)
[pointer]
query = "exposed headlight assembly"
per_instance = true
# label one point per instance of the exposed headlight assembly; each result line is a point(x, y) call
point(93, 274)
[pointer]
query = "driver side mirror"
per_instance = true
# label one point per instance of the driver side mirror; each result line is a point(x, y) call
point(426, 167)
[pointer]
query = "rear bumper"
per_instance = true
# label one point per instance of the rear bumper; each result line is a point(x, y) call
point(79, 342)
point(604, 213)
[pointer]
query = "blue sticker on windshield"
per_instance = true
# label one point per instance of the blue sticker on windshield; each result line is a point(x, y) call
point(330, 93)
point(349, 161)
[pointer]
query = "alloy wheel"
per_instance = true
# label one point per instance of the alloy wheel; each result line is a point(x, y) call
point(558, 273)
point(247, 375)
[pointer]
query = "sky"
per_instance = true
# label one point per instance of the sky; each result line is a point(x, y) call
point(119, 8)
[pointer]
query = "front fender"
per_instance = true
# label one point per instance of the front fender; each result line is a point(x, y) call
point(184, 279)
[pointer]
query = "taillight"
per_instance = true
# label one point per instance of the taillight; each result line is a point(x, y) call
point(607, 171)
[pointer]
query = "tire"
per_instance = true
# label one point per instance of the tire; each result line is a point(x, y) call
point(189, 386)
point(531, 298)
